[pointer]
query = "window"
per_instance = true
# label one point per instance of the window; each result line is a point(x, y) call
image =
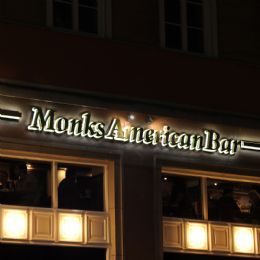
point(189, 25)
point(89, 16)
point(29, 183)
point(233, 201)
point(211, 198)
point(210, 211)
point(62, 14)
point(80, 187)
point(181, 197)
point(25, 183)
point(58, 199)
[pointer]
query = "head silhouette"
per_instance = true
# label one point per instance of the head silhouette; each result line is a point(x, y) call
point(19, 171)
point(71, 174)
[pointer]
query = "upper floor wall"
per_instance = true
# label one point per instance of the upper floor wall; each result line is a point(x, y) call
point(238, 30)
point(36, 54)
point(218, 28)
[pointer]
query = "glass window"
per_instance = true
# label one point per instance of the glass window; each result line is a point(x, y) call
point(195, 15)
point(173, 36)
point(195, 40)
point(81, 15)
point(87, 19)
point(233, 201)
point(62, 14)
point(184, 25)
point(25, 183)
point(181, 196)
point(172, 9)
point(80, 187)
point(90, 3)
point(195, 34)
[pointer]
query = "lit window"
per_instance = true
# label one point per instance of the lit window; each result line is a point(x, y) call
point(25, 183)
point(80, 187)
point(232, 201)
point(181, 197)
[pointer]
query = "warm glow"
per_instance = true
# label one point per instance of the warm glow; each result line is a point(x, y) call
point(196, 236)
point(131, 117)
point(243, 238)
point(70, 227)
point(15, 224)
point(61, 174)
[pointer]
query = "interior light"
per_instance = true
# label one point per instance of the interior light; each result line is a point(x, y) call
point(61, 174)
point(243, 239)
point(165, 178)
point(29, 167)
point(15, 224)
point(196, 236)
point(131, 117)
point(215, 184)
point(70, 227)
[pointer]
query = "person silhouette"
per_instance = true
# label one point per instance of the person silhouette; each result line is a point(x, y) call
point(182, 201)
point(228, 209)
point(26, 186)
point(68, 191)
point(255, 206)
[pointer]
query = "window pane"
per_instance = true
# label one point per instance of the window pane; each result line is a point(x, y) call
point(195, 15)
point(172, 11)
point(195, 1)
point(234, 201)
point(88, 20)
point(25, 183)
point(63, 1)
point(92, 3)
point(173, 36)
point(62, 15)
point(195, 40)
point(80, 187)
point(181, 197)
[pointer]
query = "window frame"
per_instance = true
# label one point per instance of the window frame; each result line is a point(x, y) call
point(209, 28)
point(54, 161)
point(108, 195)
point(104, 24)
point(204, 175)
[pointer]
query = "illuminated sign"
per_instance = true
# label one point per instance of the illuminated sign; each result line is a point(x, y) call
point(208, 141)
point(10, 115)
point(165, 137)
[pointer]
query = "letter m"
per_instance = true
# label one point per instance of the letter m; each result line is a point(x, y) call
point(42, 122)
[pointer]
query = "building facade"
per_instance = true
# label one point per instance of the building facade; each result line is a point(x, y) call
point(129, 130)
